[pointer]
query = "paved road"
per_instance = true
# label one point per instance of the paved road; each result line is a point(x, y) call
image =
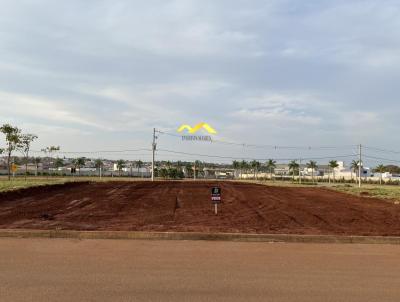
point(112, 270)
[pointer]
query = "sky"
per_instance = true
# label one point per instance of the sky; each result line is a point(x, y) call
point(100, 75)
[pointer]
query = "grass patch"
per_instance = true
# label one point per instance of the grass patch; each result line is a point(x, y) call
point(375, 191)
point(20, 183)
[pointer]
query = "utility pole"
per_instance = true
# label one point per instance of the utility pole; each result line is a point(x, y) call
point(300, 170)
point(359, 166)
point(153, 147)
point(194, 171)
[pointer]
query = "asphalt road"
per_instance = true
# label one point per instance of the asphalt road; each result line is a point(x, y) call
point(123, 270)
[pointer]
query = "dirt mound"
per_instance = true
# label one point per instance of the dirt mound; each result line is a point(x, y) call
point(186, 206)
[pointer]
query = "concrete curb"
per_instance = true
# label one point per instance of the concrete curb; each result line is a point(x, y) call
point(5, 233)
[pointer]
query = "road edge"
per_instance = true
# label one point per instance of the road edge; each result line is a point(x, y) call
point(132, 235)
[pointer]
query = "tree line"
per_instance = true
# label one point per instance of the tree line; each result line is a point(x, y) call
point(294, 167)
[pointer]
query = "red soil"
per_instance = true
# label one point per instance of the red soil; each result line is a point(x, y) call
point(186, 206)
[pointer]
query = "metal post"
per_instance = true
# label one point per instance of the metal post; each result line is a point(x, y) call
point(359, 167)
point(153, 155)
point(300, 171)
point(194, 170)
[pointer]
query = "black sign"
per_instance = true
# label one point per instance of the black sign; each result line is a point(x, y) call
point(216, 195)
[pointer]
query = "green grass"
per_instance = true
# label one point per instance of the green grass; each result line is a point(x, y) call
point(20, 183)
point(384, 192)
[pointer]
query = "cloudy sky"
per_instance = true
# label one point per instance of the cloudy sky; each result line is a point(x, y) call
point(99, 75)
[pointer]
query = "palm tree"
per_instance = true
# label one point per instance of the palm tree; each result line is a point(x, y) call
point(179, 165)
point(99, 165)
point(189, 170)
point(197, 168)
point(243, 166)
point(79, 162)
point(139, 164)
point(256, 166)
point(294, 166)
point(120, 166)
point(333, 164)
point(235, 165)
point(380, 169)
point(312, 165)
point(354, 168)
point(59, 163)
point(271, 165)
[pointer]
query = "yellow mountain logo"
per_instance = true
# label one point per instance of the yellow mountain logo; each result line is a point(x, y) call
point(196, 128)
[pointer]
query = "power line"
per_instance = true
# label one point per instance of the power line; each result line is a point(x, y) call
point(96, 151)
point(247, 145)
point(382, 150)
point(382, 158)
point(252, 158)
point(126, 152)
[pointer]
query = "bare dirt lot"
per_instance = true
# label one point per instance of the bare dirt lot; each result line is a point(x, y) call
point(186, 206)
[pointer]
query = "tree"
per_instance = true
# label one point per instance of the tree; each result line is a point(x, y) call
point(179, 166)
point(98, 163)
point(243, 167)
point(380, 169)
point(24, 146)
point(197, 168)
point(139, 164)
point(355, 164)
point(59, 163)
point(293, 167)
point(78, 163)
point(13, 139)
point(163, 173)
point(37, 161)
point(120, 166)
point(189, 170)
point(255, 166)
point(333, 164)
point(312, 165)
point(172, 173)
point(235, 165)
point(49, 151)
point(271, 165)
point(354, 168)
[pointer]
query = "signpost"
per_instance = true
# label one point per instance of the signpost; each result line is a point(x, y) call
point(216, 198)
point(14, 169)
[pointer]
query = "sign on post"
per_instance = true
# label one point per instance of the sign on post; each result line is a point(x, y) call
point(14, 168)
point(216, 198)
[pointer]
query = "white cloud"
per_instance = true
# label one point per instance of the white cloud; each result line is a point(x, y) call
point(117, 70)
point(29, 106)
